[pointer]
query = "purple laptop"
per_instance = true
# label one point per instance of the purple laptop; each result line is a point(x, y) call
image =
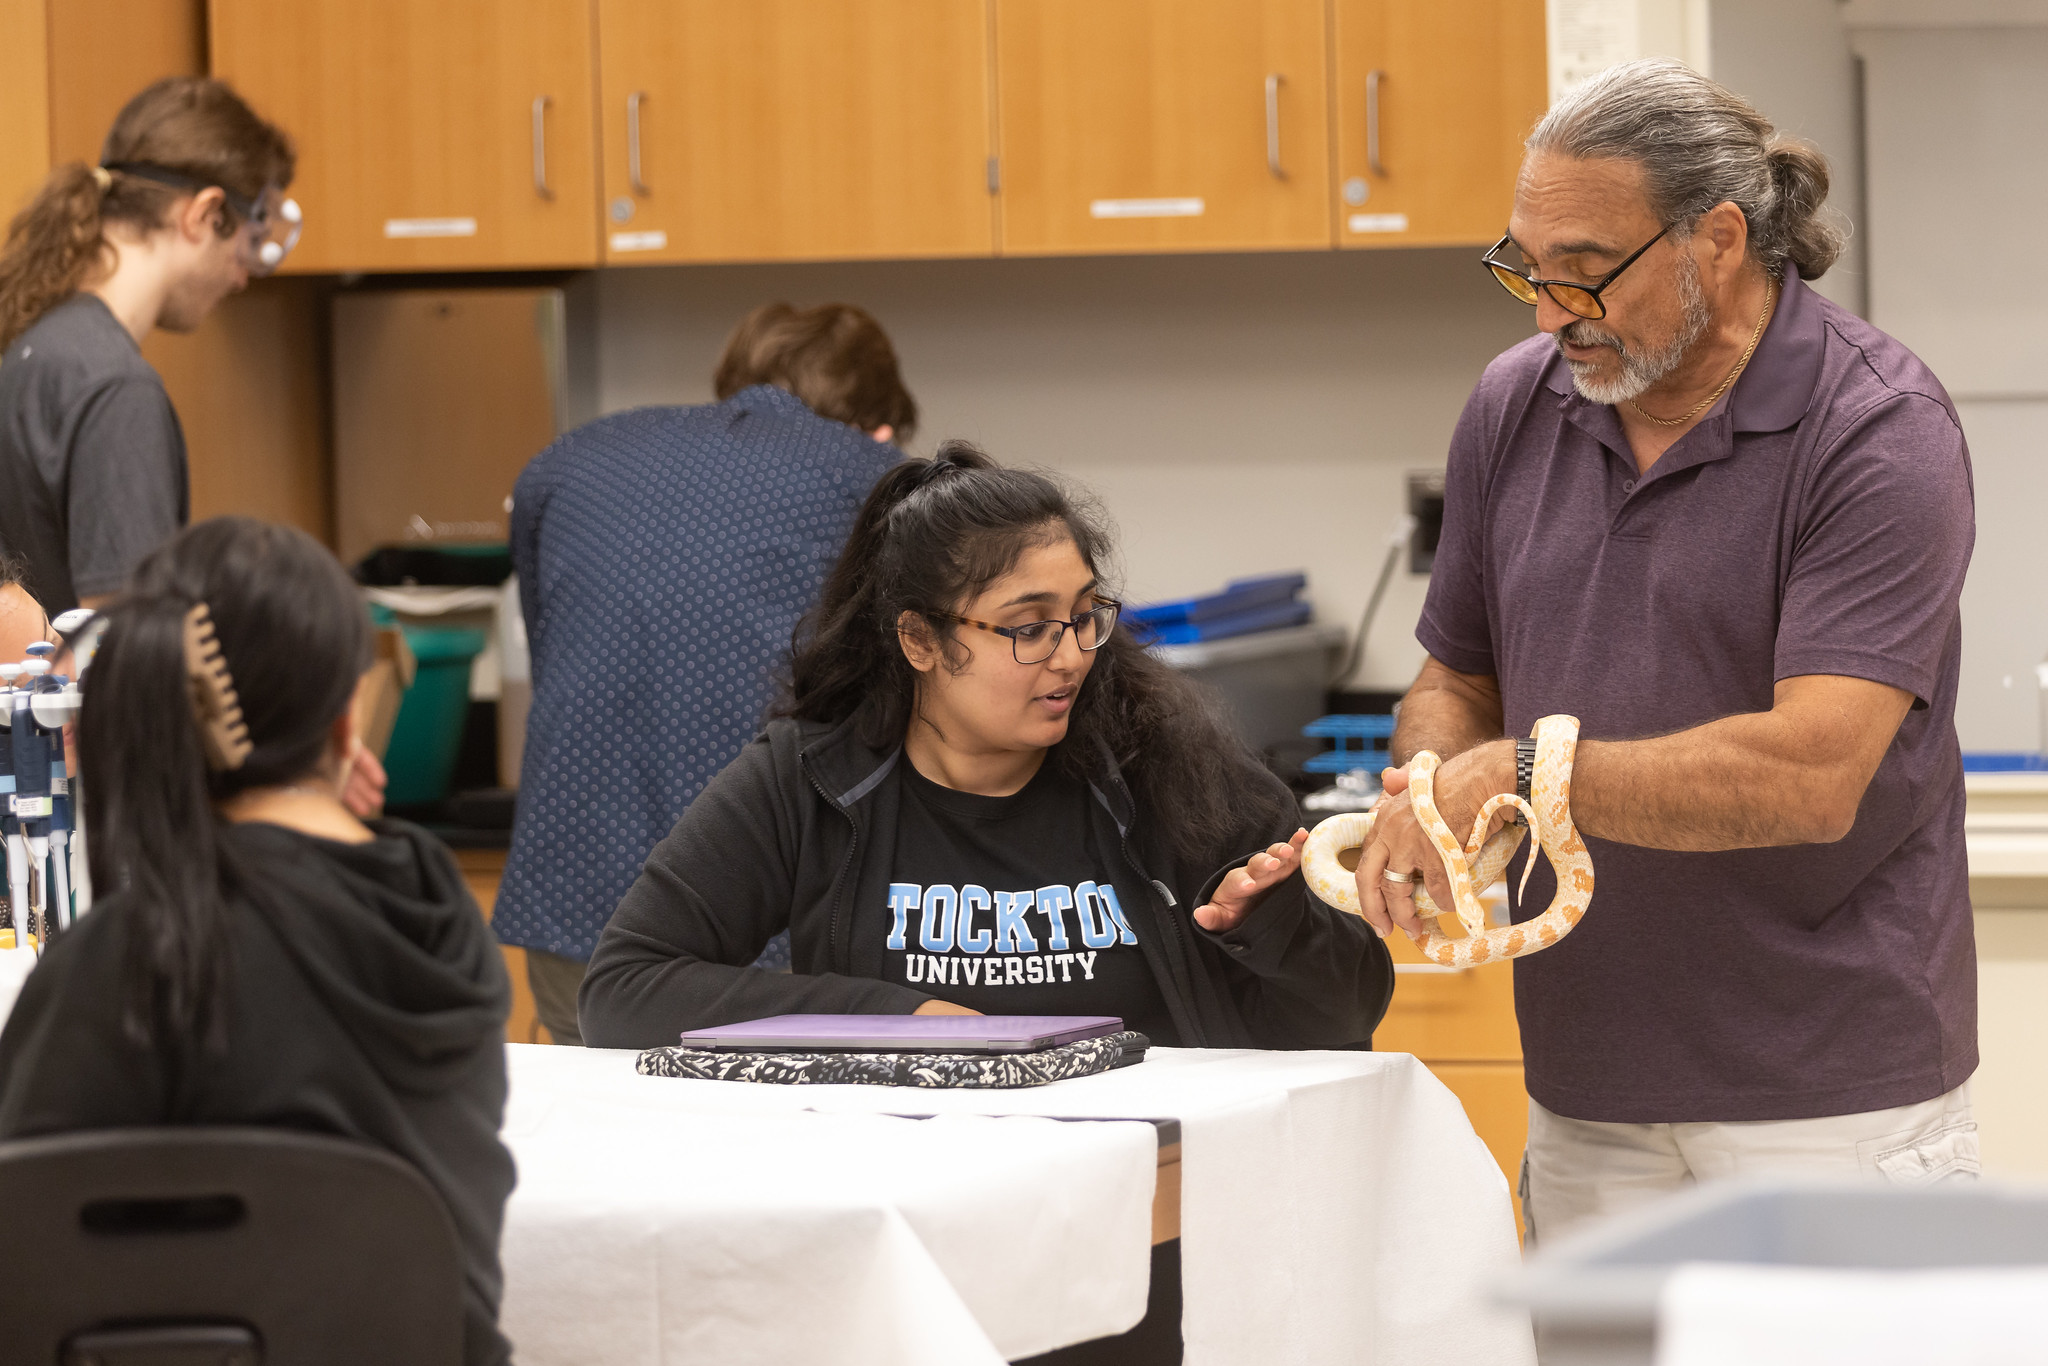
point(903, 1033)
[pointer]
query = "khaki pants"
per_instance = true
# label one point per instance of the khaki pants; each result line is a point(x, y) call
point(555, 981)
point(1575, 1170)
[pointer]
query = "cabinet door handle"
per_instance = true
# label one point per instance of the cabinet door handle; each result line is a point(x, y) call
point(633, 177)
point(1373, 80)
point(540, 147)
point(1273, 126)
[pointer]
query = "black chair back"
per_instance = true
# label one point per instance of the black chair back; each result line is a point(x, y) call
point(222, 1247)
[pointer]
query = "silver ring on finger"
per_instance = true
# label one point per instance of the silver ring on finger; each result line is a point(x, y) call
point(1398, 879)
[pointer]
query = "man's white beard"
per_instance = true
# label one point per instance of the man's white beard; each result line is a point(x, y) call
point(1639, 369)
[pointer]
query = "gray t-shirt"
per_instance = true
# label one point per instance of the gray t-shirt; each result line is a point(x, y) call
point(1818, 521)
point(92, 460)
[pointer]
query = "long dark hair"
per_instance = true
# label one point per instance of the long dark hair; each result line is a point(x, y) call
point(294, 638)
point(935, 533)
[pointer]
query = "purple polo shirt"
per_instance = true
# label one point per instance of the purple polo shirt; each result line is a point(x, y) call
point(1818, 521)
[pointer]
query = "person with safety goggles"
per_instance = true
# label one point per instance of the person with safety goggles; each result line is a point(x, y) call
point(184, 207)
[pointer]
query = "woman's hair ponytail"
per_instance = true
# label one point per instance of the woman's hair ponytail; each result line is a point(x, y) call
point(149, 806)
point(189, 126)
point(292, 639)
point(834, 650)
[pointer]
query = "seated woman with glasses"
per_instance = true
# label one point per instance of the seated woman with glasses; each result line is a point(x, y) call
point(979, 796)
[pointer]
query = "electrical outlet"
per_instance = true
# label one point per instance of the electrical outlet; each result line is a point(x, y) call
point(1426, 506)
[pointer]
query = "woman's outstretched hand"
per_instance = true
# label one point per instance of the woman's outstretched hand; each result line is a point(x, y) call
point(1240, 887)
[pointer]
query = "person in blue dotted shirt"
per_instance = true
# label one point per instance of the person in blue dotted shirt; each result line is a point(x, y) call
point(664, 557)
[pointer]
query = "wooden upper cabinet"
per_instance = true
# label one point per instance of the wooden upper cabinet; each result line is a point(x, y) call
point(457, 134)
point(780, 129)
point(68, 66)
point(1162, 125)
point(1433, 101)
point(24, 103)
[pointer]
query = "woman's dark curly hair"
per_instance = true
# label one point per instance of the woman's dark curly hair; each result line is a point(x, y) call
point(934, 534)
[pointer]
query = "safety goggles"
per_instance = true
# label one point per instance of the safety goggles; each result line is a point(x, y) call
point(265, 238)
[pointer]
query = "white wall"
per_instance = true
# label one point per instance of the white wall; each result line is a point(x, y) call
point(1956, 118)
point(1792, 59)
point(1236, 414)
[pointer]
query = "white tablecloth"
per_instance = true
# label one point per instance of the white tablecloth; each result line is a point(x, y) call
point(1336, 1207)
point(15, 966)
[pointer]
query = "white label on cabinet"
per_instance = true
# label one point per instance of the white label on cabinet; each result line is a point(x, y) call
point(1145, 208)
point(639, 241)
point(1377, 222)
point(430, 227)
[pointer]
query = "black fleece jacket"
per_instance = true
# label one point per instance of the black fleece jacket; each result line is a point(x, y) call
point(799, 829)
point(366, 999)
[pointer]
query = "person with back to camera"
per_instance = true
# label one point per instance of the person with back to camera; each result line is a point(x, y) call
point(664, 556)
point(1725, 523)
point(980, 796)
point(256, 955)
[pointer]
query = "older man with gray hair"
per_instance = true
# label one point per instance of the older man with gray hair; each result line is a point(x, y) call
point(1725, 523)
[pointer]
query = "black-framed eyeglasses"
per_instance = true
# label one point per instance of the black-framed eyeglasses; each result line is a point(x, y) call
point(1579, 300)
point(1037, 641)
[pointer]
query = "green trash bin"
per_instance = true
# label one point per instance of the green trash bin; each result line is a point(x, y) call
point(427, 735)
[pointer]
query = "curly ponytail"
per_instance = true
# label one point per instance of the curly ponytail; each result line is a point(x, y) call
point(52, 245)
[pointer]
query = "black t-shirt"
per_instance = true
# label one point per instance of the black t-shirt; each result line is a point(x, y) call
point(92, 460)
point(1007, 905)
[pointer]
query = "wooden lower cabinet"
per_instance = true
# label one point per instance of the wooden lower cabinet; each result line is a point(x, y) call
point(483, 869)
point(1498, 1106)
point(1461, 1025)
point(1450, 1016)
point(250, 389)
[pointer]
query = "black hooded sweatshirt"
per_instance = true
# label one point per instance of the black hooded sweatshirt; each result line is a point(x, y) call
point(798, 832)
point(365, 998)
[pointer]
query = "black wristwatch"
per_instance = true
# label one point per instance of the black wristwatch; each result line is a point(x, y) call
point(1525, 766)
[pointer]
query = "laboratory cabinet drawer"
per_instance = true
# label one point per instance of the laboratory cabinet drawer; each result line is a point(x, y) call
point(1449, 1015)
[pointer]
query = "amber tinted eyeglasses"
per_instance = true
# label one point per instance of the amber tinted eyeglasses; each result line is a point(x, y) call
point(1577, 299)
point(1037, 641)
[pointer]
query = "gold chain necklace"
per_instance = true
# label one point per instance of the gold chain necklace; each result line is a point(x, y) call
point(1770, 305)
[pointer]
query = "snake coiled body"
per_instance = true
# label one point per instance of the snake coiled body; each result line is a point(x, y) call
point(1473, 865)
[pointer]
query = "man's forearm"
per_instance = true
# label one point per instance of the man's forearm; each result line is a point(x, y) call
point(1446, 713)
point(1793, 775)
point(1736, 783)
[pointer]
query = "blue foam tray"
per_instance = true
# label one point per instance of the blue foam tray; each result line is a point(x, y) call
point(2004, 763)
point(1268, 618)
point(1238, 596)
